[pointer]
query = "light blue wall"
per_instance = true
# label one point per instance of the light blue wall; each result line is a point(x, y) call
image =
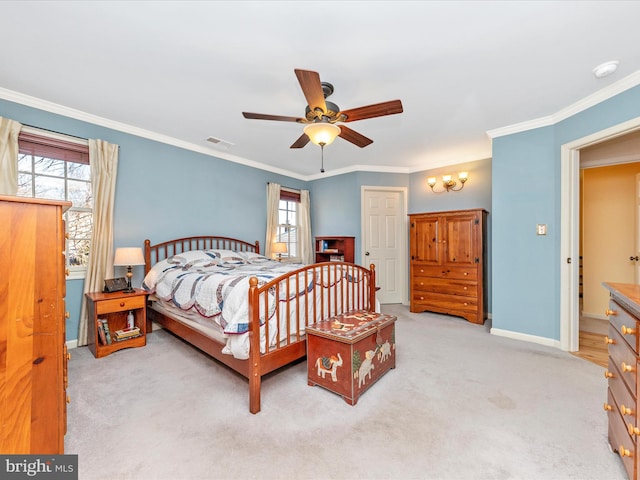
point(165, 192)
point(526, 191)
point(335, 202)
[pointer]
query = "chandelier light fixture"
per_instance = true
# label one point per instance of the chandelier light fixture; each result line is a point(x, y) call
point(448, 183)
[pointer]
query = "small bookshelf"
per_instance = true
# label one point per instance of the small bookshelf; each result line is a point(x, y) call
point(334, 249)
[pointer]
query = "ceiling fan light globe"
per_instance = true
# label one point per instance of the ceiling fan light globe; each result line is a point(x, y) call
point(322, 133)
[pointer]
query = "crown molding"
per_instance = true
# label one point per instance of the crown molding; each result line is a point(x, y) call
point(600, 96)
point(606, 93)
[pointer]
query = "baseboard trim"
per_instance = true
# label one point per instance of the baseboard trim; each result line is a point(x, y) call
point(72, 344)
point(549, 342)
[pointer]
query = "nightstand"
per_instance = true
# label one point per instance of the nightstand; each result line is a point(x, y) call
point(114, 309)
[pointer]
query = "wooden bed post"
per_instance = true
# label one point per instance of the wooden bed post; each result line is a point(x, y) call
point(372, 288)
point(147, 256)
point(254, 346)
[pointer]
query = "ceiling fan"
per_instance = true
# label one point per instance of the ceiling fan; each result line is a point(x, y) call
point(321, 116)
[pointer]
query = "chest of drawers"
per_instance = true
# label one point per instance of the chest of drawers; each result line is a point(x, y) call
point(622, 374)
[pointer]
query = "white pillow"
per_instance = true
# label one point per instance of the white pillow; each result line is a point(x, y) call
point(253, 257)
point(228, 257)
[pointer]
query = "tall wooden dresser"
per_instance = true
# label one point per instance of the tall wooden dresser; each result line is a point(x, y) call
point(622, 374)
point(33, 356)
point(448, 257)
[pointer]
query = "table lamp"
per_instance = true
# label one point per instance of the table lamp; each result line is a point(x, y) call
point(279, 248)
point(128, 257)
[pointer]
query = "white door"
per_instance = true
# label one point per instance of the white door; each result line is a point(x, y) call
point(384, 231)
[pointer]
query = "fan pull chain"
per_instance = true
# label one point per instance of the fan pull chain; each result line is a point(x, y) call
point(322, 157)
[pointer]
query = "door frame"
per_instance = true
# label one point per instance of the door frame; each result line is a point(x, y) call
point(402, 234)
point(570, 228)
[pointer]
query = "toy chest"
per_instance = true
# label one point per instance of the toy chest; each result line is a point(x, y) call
point(348, 353)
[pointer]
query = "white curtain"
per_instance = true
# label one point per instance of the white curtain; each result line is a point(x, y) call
point(305, 242)
point(9, 130)
point(103, 158)
point(273, 206)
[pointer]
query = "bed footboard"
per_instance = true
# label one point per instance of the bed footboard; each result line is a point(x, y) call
point(281, 309)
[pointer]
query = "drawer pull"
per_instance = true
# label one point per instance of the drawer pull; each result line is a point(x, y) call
point(627, 368)
point(623, 451)
point(632, 430)
point(466, 273)
point(421, 284)
point(607, 407)
point(609, 312)
point(608, 341)
point(67, 315)
point(122, 304)
point(66, 272)
point(68, 356)
point(608, 374)
point(625, 410)
point(68, 399)
point(627, 331)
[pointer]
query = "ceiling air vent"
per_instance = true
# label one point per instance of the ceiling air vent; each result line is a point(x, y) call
point(222, 144)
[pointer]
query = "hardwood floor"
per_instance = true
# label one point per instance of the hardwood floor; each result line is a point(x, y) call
point(593, 348)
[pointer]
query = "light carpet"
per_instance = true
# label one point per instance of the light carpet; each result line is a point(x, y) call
point(460, 404)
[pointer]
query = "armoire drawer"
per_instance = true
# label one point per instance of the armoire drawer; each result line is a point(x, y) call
point(459, 273)
point(445, 285)
point(442, 302)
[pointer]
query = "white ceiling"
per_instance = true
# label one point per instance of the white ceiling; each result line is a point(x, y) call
point(186, 70)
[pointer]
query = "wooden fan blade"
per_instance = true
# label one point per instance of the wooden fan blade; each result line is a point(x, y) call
point(301, 142)
point(312, 89)
point(371, 111)
point(354, 137)
point(279, 118)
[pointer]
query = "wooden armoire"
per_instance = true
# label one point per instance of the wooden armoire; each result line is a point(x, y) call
point(33, 355)
point(448, 257)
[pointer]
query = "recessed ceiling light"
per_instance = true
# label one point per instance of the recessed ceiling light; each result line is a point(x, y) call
point(605, 69)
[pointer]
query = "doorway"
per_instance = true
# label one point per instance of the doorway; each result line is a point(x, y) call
point(571, 226)
point(384, 239)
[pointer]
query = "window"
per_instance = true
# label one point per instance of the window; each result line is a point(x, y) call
point(288, 222)
point(57, 168)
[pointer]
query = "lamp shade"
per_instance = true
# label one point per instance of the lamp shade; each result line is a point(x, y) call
point(279, 247)
point(322, 133)
point(126, 257)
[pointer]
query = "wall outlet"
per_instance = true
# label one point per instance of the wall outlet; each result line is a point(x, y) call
point(541, 229)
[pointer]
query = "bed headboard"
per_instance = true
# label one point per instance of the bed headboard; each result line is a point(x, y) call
point(155, 253)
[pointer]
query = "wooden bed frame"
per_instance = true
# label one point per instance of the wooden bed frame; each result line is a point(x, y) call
point(293, 346)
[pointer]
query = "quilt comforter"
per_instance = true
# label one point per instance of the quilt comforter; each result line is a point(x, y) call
point(215, 284)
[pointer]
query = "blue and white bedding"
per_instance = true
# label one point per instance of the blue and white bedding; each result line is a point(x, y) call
point(215, 284)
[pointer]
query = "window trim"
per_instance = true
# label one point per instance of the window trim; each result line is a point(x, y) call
point(36, 142)
point(293, 196)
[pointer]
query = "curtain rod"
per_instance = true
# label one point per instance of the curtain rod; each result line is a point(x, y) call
point(288, 189)
point(53, 134)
